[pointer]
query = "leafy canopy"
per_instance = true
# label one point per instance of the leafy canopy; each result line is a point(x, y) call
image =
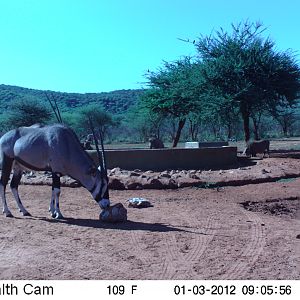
point(174, 89)
point(101, 119)
point(26, 112)
point(247, 70)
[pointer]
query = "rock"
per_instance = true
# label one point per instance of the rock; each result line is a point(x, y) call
point(172, 184)
point(115, 170)
point(172, 172)
point(148, 172)
point(133, 183)
point(116, 184)
point(164, 181)
point(194, 176)
point(165, 175)
point(175, 176)
point(115, 213)
point(134, 186)
point(143, 176)
point(124, 172)
point(134, 174)
point(183, 173)
point(74, 183)
point(31, 175)
point(154, 183)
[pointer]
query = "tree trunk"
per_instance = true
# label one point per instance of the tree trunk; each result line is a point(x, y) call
point(229, 131)
point(246, 121)
point(158, 133)
point(178, 132)
point(246, 128)
point(214, 129)
point(193, 131)
point(255, 125)
point(285, 128)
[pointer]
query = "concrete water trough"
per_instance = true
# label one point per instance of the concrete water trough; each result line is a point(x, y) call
point(205, 144)
point(169, 158)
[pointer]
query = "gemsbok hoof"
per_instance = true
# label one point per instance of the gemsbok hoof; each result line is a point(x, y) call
point(8, 215)
point(26, 214)
point(58, 216)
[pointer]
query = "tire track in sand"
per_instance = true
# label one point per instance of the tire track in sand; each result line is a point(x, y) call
point(137, 240)
point(250, 252)
point(178, 262)
point(173, 260)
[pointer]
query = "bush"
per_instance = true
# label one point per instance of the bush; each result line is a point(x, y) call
point(26, 112)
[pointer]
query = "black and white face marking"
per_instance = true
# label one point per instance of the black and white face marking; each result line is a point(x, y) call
point(100, 191)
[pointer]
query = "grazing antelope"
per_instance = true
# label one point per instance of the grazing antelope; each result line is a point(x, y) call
point(53, 148)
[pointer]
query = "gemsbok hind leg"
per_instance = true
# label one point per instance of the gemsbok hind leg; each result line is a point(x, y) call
point(54, 203)
point(14, 184)
point(6, 169)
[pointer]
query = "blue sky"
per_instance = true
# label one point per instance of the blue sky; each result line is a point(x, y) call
point(103, 45)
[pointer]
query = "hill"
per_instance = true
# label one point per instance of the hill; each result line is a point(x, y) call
point(115, 102)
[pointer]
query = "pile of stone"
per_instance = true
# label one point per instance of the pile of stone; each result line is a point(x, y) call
point(137, 179)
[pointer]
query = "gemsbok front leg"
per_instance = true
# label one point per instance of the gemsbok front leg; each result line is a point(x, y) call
point(14, 184)
point(6, 169)
point(54, 203)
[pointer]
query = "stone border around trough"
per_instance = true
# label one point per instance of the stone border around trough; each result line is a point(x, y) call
point(138, 180)
point(244, 172)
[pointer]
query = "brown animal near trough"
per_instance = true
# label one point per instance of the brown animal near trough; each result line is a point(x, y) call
point(156, 143)
point(257, 147)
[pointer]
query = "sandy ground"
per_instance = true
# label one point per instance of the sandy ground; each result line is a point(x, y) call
point(234, 232)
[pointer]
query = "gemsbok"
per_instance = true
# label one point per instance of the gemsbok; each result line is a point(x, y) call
point(53, 148)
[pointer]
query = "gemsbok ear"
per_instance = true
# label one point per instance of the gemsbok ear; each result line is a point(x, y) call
point(92, 171)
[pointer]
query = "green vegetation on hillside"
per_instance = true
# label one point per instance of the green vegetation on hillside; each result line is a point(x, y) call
point(23, 106)
point(114, 102)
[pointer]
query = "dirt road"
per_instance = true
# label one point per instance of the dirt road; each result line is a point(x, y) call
point(189, 233)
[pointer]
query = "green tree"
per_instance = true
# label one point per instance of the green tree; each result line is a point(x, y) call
point(28, 111)
point(101, 119)
point(144, 122)
point(195, 121)
point(174, 91)
point(73, 119)
point(286, 119)
point(248, 70)
point(4, 123)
